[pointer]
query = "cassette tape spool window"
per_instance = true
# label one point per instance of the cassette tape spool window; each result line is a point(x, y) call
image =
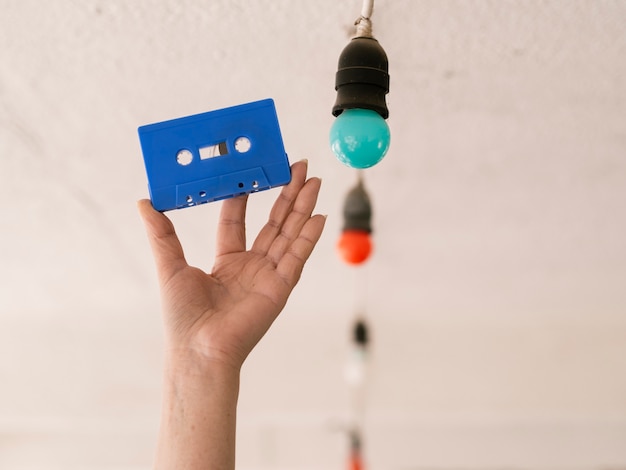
point(211, 151)
point(242, 145)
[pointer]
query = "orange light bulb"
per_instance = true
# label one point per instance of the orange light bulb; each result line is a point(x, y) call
point(354, 246)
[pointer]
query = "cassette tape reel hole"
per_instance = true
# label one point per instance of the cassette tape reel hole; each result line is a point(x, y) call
point(242, 144)
point(184, 157)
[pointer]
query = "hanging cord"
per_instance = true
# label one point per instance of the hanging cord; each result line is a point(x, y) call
point(364, 22)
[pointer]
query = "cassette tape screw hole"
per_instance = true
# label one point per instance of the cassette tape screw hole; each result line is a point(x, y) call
point(255, 184)
point(240, 185)
point(184, 157)
point(242, 144)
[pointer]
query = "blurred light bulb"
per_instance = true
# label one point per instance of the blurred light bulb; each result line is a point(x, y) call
point(354, 246)
point(359, 138)
point(356, 370)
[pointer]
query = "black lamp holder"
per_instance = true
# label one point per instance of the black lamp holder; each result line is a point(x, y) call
point(362, 78)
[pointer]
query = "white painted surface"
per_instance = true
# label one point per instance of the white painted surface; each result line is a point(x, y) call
point(496, 291)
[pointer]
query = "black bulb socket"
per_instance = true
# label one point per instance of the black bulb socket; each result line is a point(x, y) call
point(362, 78)
point(360, 333)
point(357, 210)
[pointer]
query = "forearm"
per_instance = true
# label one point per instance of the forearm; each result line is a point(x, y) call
point(198, 419)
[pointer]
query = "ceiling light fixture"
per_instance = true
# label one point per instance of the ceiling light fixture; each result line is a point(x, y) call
point(355, 243)
point(359, 136)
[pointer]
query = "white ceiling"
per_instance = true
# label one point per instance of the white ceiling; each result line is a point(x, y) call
point(500, 206)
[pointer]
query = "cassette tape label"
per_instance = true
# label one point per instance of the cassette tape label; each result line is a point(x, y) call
point(215, 155)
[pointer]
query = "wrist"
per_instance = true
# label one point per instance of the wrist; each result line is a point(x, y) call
point(199, 412)
point(188, 363)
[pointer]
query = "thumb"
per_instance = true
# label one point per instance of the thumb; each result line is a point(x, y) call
point(166, 248)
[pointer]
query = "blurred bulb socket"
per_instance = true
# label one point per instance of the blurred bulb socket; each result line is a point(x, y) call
point(357, 210)
point(360, 333)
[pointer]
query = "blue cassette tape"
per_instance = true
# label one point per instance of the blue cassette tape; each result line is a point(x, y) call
point(215, 155)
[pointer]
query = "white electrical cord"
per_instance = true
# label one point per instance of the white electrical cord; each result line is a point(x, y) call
point(364, 22)
point(368, 8)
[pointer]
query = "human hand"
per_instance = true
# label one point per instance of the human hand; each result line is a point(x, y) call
point(220, 316)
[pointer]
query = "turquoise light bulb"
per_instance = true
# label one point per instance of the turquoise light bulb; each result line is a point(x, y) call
point(359, 138)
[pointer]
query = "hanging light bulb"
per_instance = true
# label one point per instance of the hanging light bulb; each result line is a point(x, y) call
point(355, 243)
point(356, 369)
point(354, 246)
point(355, 461)
point(356, 374)
point(359, 136)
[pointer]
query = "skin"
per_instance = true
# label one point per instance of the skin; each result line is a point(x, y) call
point(214, 320)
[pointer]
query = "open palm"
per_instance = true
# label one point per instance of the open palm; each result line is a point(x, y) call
point(223, 314)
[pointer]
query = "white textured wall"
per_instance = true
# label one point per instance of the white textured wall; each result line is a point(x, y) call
point(496, 293)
